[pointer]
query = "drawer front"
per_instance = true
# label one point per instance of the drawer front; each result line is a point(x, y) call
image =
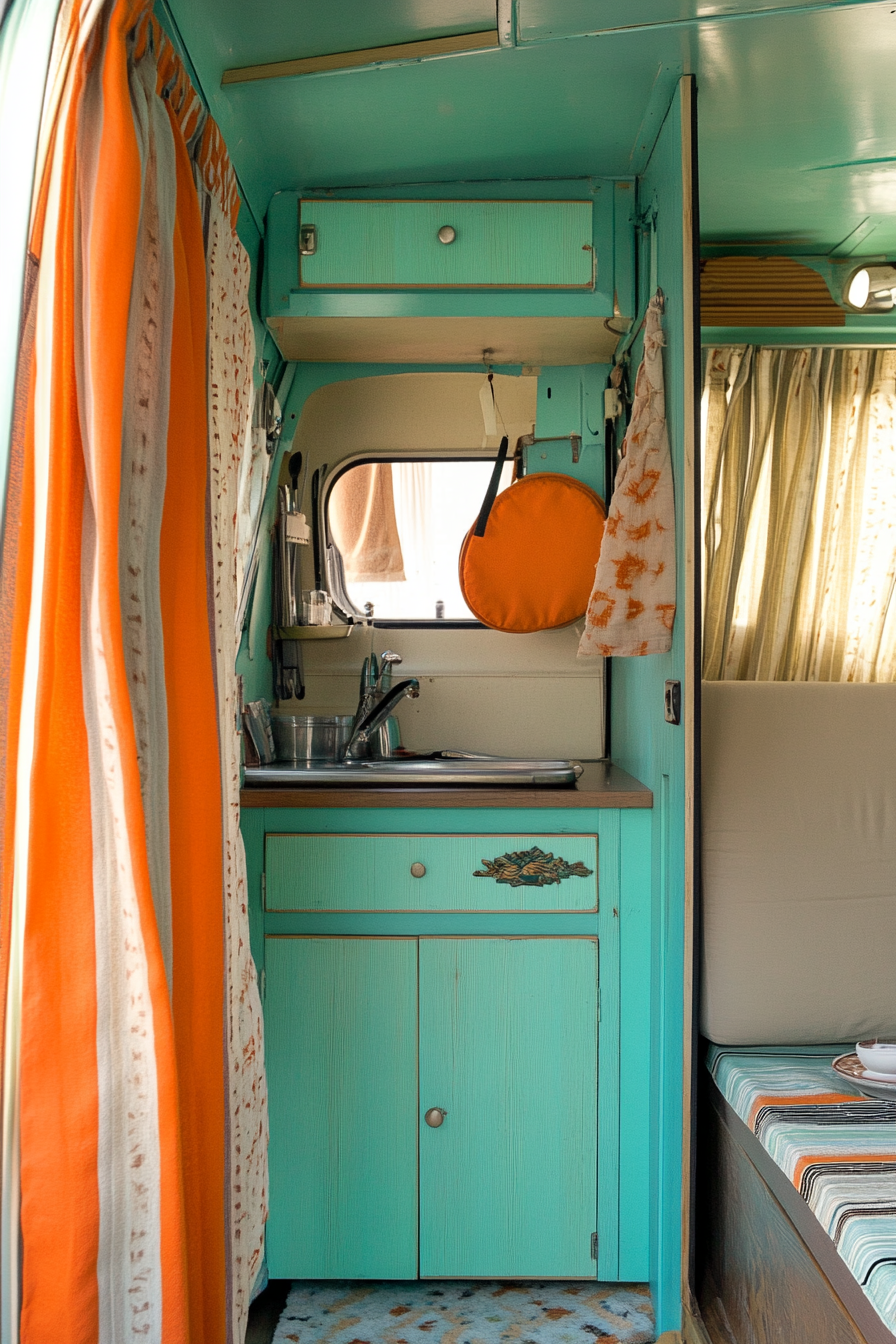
point(498, 244)
point(495, 873)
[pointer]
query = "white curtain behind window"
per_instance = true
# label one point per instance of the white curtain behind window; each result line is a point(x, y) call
point(800, 514)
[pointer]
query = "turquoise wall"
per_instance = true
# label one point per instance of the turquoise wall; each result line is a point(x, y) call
point(575, 406)
point(654, 751)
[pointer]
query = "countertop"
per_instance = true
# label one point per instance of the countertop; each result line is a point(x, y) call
point(601, 785)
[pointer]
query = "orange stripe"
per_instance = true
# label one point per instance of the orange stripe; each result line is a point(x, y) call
point(194, 777)
point(59, 1092)
point(828, 1159)
point(112, 247)
point(798, 1099)
point(15, 603)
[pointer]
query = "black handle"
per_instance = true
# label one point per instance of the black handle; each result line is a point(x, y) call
point(315, 488)
point(492, 491)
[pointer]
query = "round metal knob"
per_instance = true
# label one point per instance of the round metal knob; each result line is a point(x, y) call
point(447, 234)
point(434, 1116)
point(418, 870)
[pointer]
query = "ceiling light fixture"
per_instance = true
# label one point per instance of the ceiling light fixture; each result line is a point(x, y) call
point(871, 289)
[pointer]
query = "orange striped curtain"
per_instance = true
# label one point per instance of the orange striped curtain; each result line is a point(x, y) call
point(134, 1120)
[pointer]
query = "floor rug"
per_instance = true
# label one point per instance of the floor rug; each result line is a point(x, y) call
point(453, 1312)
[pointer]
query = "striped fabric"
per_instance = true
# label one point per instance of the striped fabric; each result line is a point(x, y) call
point(835, 1145)
point(134, 1107)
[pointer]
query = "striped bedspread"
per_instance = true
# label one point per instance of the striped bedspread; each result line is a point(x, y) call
point(837, 1147)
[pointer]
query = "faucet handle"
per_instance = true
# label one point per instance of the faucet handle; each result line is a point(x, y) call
point(388, 660)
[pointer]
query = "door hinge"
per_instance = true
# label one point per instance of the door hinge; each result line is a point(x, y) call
point(264, 891)
point(593, 1245)
point(598, 1005)
point(262, 984)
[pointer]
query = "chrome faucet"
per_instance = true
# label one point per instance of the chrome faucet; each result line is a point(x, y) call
point(368, 720)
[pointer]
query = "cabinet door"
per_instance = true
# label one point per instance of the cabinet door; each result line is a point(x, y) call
point(508, 1048)
point(341, 1049)
point(497, 244)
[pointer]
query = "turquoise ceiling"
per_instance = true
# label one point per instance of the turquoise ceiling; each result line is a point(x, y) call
point(796, 102)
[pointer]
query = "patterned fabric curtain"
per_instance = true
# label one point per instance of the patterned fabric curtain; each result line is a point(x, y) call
point(800, 514)
point(134, 1108)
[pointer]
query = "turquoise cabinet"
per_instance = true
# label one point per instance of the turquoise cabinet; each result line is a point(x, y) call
point(341, 1054)
point(508, 1048)
point(391, 873)
point(495, 244)
point(502, 1035)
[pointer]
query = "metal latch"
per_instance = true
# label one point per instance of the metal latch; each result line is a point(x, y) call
point(307, 240)
point(672, 702)
point(527, 441)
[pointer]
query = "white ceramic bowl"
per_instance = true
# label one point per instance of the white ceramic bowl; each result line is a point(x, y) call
point(878, 1056)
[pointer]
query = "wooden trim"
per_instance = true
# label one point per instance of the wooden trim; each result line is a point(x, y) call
point(349, 60)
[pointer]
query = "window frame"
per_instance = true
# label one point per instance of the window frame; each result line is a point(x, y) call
point(321, 522)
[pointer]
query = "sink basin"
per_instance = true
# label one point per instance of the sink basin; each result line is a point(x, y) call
point(410, 770)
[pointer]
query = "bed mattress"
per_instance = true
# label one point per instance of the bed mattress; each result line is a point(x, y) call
point(836, 1147)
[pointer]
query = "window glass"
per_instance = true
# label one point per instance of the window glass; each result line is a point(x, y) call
point(399, 527)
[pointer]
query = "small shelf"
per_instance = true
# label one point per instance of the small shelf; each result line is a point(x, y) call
point(313, 631)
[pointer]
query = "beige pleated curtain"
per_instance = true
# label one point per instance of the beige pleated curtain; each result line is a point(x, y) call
point(800, 514)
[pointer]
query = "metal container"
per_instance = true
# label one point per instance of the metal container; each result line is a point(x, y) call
point(311, 737)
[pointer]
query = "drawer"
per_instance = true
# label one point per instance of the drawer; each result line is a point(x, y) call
point(498, 244)
point(492, 873)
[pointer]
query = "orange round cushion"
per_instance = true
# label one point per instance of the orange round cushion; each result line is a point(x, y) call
point(534, 568)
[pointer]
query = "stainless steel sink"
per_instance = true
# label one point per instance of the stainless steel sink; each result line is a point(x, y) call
point(449, 769)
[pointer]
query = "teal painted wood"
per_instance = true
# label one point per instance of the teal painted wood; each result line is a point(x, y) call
point(252, 829)
point(608, 1058)
point(633, 1047)
point(655, 751)
point(341, 1045)
point(395, 244)
point(435, 821)
point(508, 1034)
point(373, 872)
point(414, 922)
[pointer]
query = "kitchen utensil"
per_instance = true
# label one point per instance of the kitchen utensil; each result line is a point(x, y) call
point(315, 528)
point(295, 466)
point(311, 737)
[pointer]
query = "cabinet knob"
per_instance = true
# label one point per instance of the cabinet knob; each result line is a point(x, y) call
point(447, 234)
point(434, 1116)
point(418, 870)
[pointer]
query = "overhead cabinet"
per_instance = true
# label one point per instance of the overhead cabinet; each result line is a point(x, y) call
point(446, 244)
point(433, 1106)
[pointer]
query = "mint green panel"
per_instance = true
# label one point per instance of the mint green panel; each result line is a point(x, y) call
point(341, 1052)
point(508, 1048)
point(382, 872)
point(503, 244)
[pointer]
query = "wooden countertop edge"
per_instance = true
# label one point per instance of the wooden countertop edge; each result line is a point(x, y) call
point(600, 786)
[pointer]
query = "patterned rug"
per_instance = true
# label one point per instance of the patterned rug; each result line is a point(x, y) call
point(449, 1312)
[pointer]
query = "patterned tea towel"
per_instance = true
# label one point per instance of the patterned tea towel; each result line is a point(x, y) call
point(632, 604)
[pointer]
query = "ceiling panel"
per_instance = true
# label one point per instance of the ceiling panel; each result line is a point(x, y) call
point(796, 109)
point(546, 20)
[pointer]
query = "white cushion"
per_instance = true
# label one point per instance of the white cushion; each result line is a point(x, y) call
point(799, 862)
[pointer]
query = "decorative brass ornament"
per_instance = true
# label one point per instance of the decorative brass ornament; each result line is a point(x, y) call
point(531, 868)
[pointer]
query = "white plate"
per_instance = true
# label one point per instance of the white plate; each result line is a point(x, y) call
point(851, 1067)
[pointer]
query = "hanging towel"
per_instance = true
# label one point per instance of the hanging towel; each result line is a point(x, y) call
point(362, 518)
point(632, 604)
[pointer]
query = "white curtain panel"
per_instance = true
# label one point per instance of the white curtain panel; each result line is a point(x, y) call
point(799, 471)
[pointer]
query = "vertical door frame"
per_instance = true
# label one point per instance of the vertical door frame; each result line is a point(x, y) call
point(691, 709)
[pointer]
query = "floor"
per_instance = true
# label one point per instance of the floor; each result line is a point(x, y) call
point(451, 1312)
